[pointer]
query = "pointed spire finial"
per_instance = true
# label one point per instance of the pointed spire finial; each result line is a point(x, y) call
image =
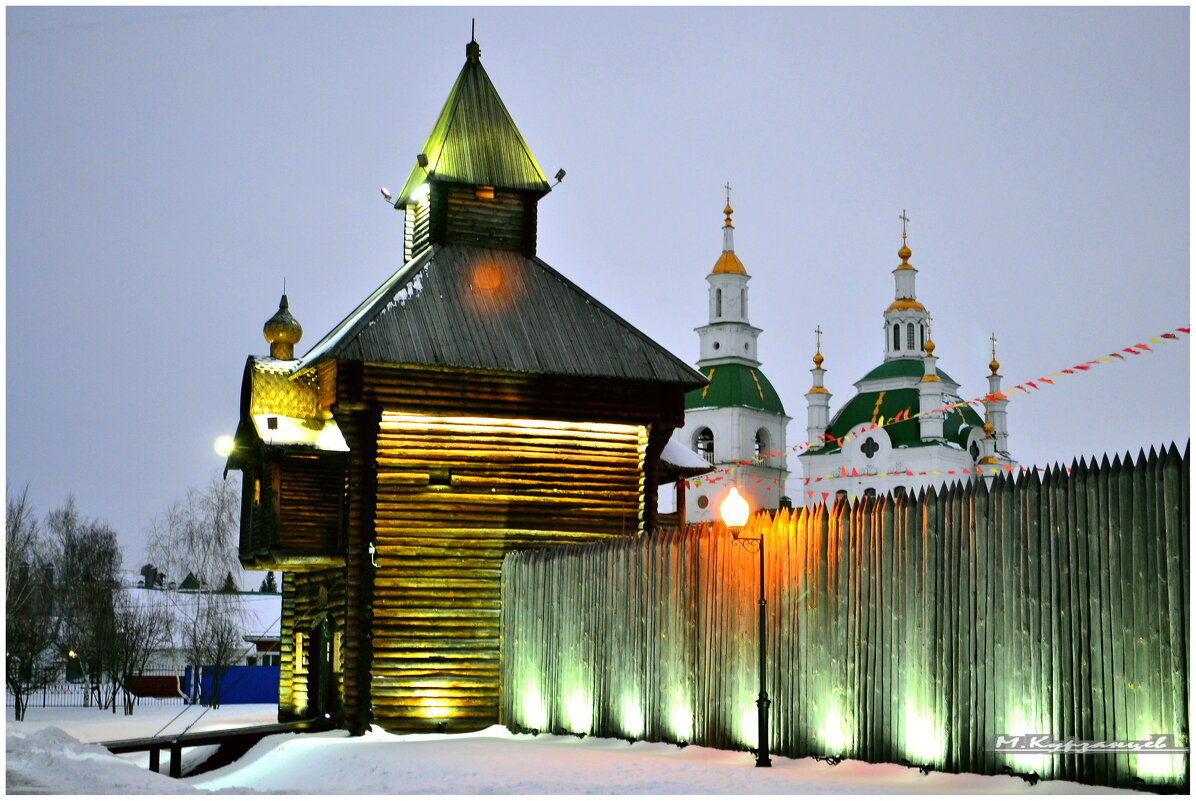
point(994, 365)
point(473, 51)
point(728, 210)
point(905, 252)
point(818, 346)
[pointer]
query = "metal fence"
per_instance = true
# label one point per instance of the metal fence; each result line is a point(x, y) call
point(153, 687)
point(910, 630)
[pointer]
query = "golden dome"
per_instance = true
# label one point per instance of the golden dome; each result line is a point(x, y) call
point(904, 255)
point(818, 360)
point(988, 428)
point(728, 262)
point(728, 211)
point(993, 365)
point(282, 331)
point(930, 347)
point(905, 304)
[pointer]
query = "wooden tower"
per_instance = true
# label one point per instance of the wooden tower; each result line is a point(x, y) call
point(477, 402)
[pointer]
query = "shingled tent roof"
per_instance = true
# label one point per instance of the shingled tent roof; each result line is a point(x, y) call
point(464, 306)
point(474, 140)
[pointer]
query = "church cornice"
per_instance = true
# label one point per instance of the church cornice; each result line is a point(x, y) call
point(729, 324)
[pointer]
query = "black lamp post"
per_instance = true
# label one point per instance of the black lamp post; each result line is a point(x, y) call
point(734, 511)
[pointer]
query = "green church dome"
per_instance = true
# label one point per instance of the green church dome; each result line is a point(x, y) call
point(868, 407)
point(903, 368)
point(735, 385)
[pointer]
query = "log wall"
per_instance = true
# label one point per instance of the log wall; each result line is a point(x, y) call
point(454, 495)
point(307, 598)
point(912, 630)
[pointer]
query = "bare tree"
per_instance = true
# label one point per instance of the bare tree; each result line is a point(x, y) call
point(140, 629)
point(199, 535)
point(30, 625)
point(88, 561)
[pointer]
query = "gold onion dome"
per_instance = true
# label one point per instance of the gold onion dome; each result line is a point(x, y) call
point(994, 365)
point(904, 255)
point(818, 359)
point(930, 347)
point(988, 428)
point(728, 262)
point(282, 331)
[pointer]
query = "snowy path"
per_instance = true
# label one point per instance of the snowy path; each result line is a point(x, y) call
point(43, 758)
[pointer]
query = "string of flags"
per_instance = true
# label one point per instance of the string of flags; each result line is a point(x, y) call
point(905, 415)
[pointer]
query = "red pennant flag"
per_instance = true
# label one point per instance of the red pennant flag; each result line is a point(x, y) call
point(1008, 468)
point(1169, 336)
point(1069, 372)
point(810, 493)
point(1031, 384)
point(1049, 381)
point(824, 496)
point(1185, 330)
point(1081, 367)
point(909, 472)
point(1144, 347)
point(843, 472)
point(807, 481)
point(855, 473)
point(1130, 350)
point(1118, 355)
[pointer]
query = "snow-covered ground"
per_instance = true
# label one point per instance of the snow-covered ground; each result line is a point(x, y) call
point(45, 755)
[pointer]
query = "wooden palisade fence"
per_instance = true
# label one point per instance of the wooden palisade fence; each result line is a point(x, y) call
point(900, 630)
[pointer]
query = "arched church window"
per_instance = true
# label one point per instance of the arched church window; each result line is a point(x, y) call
point(761, 446)
point(909, 336)
point(870, 492)
point(922, 336)
point(896, 336)
point(704, 444)
point(975, 451)
point(718, 303)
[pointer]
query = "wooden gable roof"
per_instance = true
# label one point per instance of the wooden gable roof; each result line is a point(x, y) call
point(463, 306)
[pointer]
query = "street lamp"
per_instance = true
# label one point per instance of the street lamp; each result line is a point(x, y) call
point(734, 511)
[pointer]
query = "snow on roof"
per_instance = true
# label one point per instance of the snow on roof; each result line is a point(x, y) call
point(678, 461)
point(323, 435)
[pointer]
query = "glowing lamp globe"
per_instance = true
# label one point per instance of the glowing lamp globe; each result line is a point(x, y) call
point(734, 509)
point(224, 445)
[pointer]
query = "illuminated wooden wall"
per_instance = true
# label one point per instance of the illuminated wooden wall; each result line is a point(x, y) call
point(448, 471)
point(915, 629)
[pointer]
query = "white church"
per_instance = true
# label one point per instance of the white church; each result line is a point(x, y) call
point(896, 435)
point(738, 417)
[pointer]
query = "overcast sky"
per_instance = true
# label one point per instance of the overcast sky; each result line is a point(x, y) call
point(168, 167)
